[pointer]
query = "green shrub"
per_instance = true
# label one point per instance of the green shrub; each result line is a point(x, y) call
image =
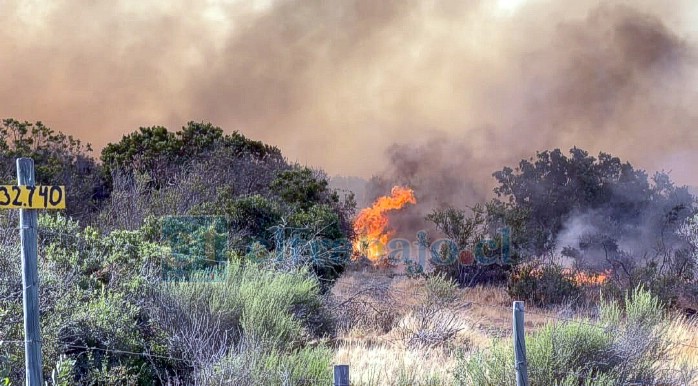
point(542, 284)
point(253, 312)
point(555, 354)
point(91, 294)
point(262, 299)
point(92, 288)
point(251, 364)
point(628, 344)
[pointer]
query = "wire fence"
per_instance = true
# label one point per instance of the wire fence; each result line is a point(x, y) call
point(327, 380)
point(49, 236)
point(581, 321)
point(304, 380)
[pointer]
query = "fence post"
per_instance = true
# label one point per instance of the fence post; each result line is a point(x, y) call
point(30, 279)
point(341, 375)
point(520, 345)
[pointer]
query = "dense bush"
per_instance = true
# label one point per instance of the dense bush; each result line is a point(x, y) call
point(607, 195)
point(598, 213)
point(250, 314)
point(542, 284)
point(156, 173)
point(90, 301)
point(109, 318)
point(601, 213)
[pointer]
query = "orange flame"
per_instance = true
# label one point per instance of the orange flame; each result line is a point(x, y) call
point(589, 279)
point(371, 225)
point(581, 278)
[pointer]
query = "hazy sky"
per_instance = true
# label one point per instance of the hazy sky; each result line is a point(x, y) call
point(335, 83)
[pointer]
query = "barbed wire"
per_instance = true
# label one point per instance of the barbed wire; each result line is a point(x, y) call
point(325, 379)
point(13, 341)
point(125, 352)
point(303, 379)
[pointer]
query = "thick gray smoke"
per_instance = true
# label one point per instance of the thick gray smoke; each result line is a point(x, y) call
point(618, 79)
point(457, 88)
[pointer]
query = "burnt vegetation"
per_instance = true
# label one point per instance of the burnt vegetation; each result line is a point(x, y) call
point(578, 212)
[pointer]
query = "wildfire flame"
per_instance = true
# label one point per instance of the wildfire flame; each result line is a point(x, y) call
point(589, 279)
point(371, 225)
point(580, 278)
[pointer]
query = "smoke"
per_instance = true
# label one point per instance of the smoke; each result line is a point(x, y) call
point(613, 80)
point(441, 171)
point(452, 89)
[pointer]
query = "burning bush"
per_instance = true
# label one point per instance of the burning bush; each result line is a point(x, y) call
point(371, 225)
point(616, 225)
point(543, 284)
point(601, 213)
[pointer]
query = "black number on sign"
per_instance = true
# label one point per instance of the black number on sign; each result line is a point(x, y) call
point(53, 198)
point(43, 192)
point(31, 194)
point(6, 195)
point(17, 190)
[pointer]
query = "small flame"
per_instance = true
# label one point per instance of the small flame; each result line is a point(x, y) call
point(589, 279)
point(581, 278)
point(371, 225)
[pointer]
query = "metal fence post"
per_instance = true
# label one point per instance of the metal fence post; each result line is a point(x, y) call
point(341, 375)
point(520, 346)
point(30, 278)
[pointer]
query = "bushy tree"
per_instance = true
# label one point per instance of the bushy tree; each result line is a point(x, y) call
point(161, 153)
point(199, 170)
point(599, 211)
point(548, 191)
point(59, 159)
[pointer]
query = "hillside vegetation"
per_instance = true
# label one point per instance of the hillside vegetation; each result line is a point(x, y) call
point(197, 257)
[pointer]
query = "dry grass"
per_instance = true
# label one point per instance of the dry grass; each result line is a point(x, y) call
point(380, 354)
point(391, 364)
point(374, 343)
point(684, 334)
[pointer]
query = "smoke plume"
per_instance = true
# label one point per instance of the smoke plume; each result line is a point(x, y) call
point(440, 93)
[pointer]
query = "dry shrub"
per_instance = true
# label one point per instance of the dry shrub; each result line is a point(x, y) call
point(436, 318)
point(389, 364)
point(543, 284)
point(371, 308)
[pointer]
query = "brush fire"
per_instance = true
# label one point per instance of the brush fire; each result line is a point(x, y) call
point(587, 278)
point(373, 232)
point(580, 278)
point(371, 225)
